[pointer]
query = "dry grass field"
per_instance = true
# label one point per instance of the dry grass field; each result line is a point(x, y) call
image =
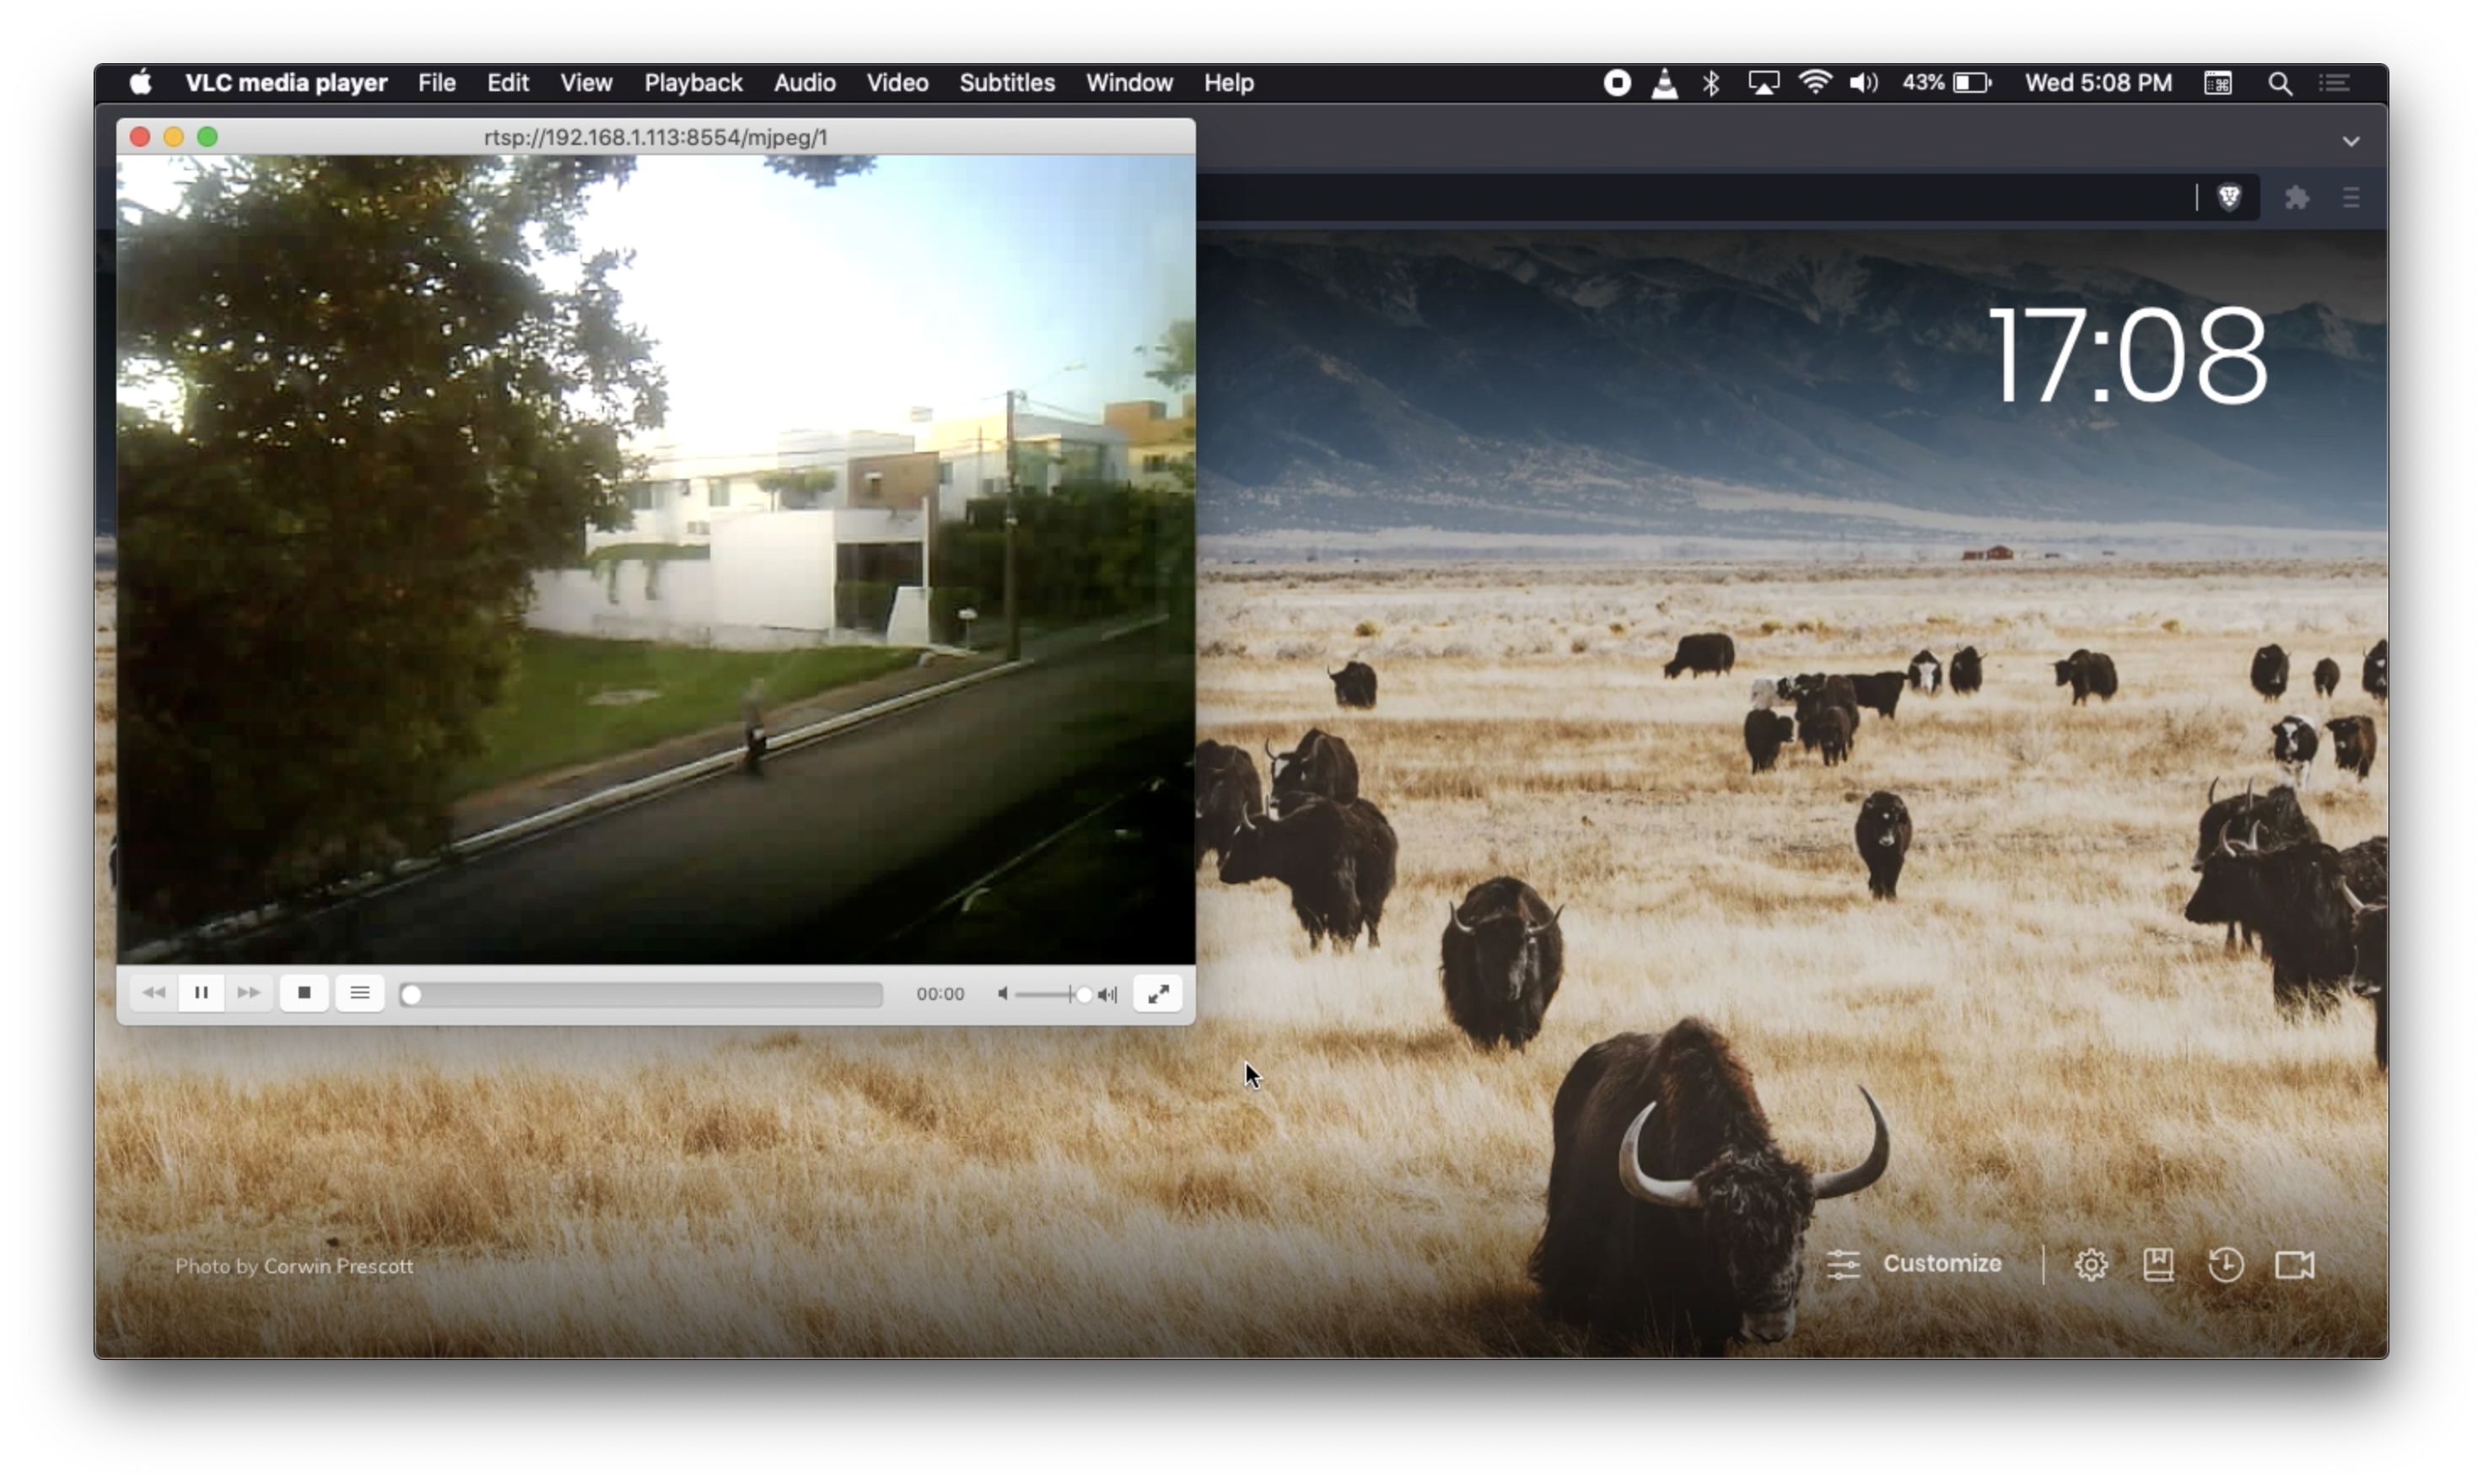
point(2064, 1061)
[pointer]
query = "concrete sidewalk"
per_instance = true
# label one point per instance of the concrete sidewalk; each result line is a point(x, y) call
point(526, 798)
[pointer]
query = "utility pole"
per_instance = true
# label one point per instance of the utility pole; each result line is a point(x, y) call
point(1008, 568)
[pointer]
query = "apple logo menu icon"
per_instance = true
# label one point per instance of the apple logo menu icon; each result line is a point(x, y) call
point(140, 83)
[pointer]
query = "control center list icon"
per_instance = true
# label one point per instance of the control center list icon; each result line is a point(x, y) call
point(1843, 1266)
point(2093, 1265)
point(1155, 993)
point(2225, 1264)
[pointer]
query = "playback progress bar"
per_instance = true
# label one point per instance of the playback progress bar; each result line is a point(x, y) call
point(293, 995)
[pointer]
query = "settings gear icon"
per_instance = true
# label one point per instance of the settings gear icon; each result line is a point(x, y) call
point(2093, 1265)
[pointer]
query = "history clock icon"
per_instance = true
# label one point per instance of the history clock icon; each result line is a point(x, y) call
point(2225, 1264)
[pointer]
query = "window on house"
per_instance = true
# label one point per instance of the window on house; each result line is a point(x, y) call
point(948, 473)
point(642, 496)
point(1158, 463)
point(719, 493)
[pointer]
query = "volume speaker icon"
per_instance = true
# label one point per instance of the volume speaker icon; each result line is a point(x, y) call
point(1816, 79)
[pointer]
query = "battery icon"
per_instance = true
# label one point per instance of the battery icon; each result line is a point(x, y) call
point(1972, 82)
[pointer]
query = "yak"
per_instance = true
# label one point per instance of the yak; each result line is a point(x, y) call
point(1831, 729)
point(2369, 979)
point(1883, 832)
point(1880, 692)
point(2278, 812)
point(1500, 961)
point(2296, 747)
point(2358, 744)
point(1965, 672)
point(2292, 898)
point(2086, 672)
point(1226, 782)
point(1701, 654)
point(1700, 1239)
point(1923, 673)
point(1357, 685)
point(1337, 859)
point(1835, 690)
point(1764, 734)
point(1320, 764)
point(2375, 672)
point(2325, 677)
point(2271, 669)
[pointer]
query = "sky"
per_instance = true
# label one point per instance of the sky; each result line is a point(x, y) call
point(932, 281)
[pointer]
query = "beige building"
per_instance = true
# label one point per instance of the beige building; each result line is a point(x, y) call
point(1158, 444)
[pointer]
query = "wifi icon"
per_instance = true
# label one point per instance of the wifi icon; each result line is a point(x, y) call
point(1816, 79)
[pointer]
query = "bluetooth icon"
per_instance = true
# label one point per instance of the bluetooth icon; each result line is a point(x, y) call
point(1711, 82)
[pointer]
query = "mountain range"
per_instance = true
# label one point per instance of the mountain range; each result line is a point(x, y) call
point(1808, 385)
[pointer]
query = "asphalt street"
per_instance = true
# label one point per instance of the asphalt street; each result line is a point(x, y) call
point(839, 846)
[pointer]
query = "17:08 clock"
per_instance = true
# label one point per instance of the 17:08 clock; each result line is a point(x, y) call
point(2129, 332)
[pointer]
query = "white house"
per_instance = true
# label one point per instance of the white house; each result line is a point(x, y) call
point(764, 565)
point(688, 489)
point(1050, 452)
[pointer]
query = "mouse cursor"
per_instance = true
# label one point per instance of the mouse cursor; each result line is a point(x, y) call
point(1250, 1077)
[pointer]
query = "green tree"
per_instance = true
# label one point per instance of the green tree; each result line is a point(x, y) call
point(1176, 356)
point(821, 169)
point(363, 397)
point(800, 489)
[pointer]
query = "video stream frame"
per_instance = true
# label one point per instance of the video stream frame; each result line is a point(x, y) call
point(693, 681)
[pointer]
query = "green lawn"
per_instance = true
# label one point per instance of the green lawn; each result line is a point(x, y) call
point(546, 721)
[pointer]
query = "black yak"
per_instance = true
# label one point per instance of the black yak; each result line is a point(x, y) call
point(1923, 673)
point(1764, 734)
point(1965, 672)
point(1226, 783)
point(2292, 898)
point(2086, 672)
point(2375, 672)
point(1880, 692)
point(1337, 859)
point(2271, 669)
point(1357, 685)
point(1671, 1215)
point(1320, 764)
point(1500, 961)
point(2358, 744)
point(2325, 677)
point(1883, 832)
point(1829, 730)
point(2276, 814)
point(1701, 654)
point(2369, 979)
